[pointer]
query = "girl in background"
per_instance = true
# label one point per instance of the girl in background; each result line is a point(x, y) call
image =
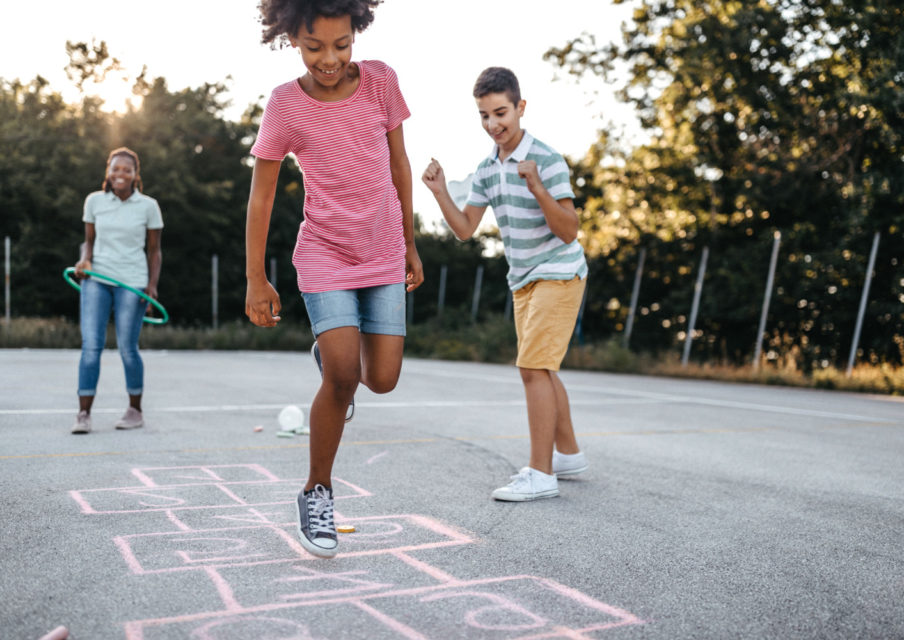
point(122, 240)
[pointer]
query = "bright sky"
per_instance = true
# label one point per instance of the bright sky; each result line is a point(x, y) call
point(437, 49)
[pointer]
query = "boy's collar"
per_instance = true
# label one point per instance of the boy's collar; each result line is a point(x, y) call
point(520, 152)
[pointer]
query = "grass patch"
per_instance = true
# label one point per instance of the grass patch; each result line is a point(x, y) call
point(455, 337)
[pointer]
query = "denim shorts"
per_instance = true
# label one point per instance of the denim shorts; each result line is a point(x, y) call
point(378, 310)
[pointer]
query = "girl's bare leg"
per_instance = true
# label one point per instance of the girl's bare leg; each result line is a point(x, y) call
point(339, 353)
point(381, 361)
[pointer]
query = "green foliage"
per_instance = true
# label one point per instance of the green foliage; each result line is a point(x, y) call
point(455, 337)
point(461, 260)
point(196, 163)
point(761, 117)
point(774, 115)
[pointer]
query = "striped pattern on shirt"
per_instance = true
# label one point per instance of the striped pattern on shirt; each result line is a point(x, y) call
point(351, 236)
point(533, 251)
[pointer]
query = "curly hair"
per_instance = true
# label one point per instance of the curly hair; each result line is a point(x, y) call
point(498, 80)
point(282, 18)
point(125, 152)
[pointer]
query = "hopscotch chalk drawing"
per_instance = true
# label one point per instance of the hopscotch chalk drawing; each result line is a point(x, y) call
point(228, 531)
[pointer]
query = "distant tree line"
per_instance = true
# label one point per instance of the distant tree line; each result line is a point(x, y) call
point(761, 117)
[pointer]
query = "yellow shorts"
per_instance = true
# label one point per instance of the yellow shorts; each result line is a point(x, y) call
point(545, 313)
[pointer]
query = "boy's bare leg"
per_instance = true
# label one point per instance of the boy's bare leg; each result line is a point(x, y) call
point(541, 416)
point(381, 361)
point(565, 440)
point(339, 349)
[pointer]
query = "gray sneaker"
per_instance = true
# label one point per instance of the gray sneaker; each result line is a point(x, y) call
point(82, 423)
point(564, 465)
point(316, 529)
point(315, 353)
point(131, 419)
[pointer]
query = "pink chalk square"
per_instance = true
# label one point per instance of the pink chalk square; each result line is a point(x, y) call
point(283, 623)
point(515, 608)
point(142, 499)
point(187, 550)
point(255, 586)
point(229, 546)
point(266, 493)
point(397, 533)
point(287, 491)
point(203, 474)
point(282, 515)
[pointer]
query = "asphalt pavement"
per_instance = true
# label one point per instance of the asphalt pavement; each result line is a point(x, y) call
point(710, 510)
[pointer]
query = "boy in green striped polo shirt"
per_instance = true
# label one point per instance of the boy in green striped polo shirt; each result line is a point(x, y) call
point(528, 186)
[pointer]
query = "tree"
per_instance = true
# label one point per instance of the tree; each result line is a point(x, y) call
point(194, 162)
point(774, 115)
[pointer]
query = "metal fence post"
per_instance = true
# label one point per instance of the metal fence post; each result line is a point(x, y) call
point(214, 290)
point(273, 272)
point(635, 292)
point(478, 283)
point(863, 299)
point(770, 279)
point(441, 302)
point(7, 275)
point(698, 289)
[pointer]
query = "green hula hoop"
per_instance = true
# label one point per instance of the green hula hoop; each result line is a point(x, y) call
point(67, 275)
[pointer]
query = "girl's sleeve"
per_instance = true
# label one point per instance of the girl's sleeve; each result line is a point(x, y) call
point(396, 109)
point(155, 218)
point(272, 141)
point(88, 210)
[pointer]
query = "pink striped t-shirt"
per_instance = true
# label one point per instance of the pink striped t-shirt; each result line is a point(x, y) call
point(351, 236)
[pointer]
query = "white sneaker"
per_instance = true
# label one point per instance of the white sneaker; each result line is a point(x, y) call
point(82, 423)
point(131, 419)
point(528, 484)
point(564, 464)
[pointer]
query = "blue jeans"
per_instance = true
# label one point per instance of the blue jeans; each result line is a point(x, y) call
point(97, 300)
point(379, 309)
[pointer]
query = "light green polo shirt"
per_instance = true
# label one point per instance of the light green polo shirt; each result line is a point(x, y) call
point(532, 250)
point(122, 227)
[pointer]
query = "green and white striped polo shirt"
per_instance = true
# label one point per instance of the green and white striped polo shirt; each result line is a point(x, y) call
point(533, 251)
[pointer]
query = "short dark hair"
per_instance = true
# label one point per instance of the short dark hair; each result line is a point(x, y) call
point(282, 18)
point(125, 152)
point(498, 80)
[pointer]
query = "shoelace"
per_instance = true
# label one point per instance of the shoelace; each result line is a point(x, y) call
point(320, 511)
point(521, 478)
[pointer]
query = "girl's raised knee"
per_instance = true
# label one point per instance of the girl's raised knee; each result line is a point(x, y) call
point(382, 386)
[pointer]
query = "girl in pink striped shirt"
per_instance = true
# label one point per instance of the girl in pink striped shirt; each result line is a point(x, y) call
point(355, 255)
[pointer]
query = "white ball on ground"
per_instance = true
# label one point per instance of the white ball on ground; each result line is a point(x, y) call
point(291, 417)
